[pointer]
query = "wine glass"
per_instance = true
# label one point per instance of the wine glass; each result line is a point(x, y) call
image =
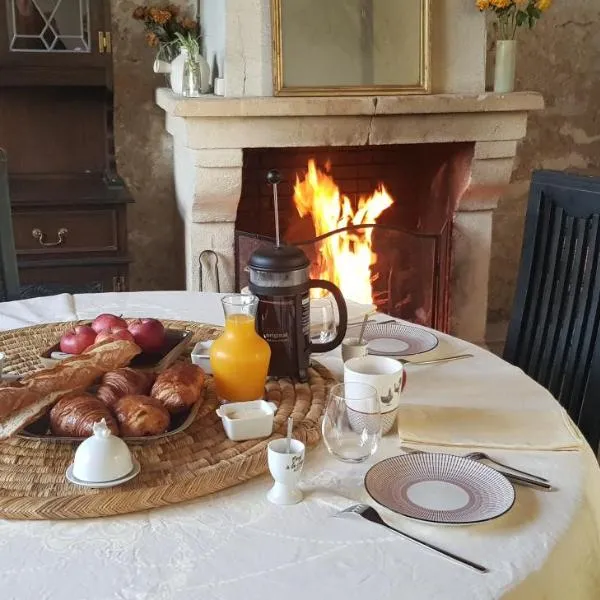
point(322, 319)
point(351, 424)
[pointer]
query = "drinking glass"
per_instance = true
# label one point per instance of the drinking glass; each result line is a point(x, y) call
point(322, 319)
point(352, 422)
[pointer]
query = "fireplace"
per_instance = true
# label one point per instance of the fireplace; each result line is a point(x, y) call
point(412, 239)
point(215, 140)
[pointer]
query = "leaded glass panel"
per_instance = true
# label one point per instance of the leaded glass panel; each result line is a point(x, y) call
point(49, 25)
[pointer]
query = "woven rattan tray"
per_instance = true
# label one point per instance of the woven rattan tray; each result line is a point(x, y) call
point(194, 463)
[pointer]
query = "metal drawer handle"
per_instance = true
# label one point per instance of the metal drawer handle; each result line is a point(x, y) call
point(39, 235)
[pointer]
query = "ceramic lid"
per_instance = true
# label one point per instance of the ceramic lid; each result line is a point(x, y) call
point(102, 456)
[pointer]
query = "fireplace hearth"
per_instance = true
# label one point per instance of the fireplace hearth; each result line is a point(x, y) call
point(412, 239)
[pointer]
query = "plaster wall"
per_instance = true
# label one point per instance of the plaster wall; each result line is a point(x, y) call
point(561, 59)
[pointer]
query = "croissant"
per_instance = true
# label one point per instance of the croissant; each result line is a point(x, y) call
point(75, 414)
point(179, 387)
point(141, 415)
point(123, 382)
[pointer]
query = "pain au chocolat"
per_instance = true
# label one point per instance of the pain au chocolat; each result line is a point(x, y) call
point(75, 415)
point(179, 387)
point(139, 415)
point(124, 382)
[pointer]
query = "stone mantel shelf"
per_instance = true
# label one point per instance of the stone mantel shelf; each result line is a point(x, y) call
point(316, 106)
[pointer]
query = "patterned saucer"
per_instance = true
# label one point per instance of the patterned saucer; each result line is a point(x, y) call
point(397, 339)
point(440, 488)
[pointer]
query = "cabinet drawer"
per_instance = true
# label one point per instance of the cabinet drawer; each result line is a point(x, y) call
point(66, 231)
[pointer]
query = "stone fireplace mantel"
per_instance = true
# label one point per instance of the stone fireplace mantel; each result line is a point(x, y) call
point(210, 134)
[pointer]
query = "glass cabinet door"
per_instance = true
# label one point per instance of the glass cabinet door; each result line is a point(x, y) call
point(48, 26)
point(53, 33)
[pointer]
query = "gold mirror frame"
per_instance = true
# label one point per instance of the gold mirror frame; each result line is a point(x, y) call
point(423, 87)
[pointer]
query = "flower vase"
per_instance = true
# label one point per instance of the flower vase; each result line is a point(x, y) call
point(196, 68)
point(506, 61)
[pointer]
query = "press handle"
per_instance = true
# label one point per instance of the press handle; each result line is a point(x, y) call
point(342, 313)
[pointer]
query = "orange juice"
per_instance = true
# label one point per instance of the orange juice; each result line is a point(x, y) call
point(240, 360)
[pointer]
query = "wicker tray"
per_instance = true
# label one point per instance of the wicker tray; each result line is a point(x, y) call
point(194, 463)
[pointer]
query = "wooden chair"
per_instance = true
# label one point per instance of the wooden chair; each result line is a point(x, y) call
point(553, 332)
point(9, 274)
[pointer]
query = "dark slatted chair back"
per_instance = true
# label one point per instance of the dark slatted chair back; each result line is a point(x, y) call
point(553, 333)
point(9, 277)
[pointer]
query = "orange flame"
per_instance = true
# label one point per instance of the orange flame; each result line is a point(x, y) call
point(345, 258)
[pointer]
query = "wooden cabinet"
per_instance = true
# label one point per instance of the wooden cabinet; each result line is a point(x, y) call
point(68, 205)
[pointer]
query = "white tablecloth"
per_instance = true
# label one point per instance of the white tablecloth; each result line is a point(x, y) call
point(235, 544)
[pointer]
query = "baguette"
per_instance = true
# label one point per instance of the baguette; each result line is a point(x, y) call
point(26, 401)
point(29, 407)
point(81, 371)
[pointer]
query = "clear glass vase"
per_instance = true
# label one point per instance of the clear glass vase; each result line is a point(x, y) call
point(192, 78)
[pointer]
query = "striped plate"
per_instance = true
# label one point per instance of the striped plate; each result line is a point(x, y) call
point(440, 488)
point(398, 339)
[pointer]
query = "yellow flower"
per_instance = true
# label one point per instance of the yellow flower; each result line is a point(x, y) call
point(482, 4)
point(500, 3)
point(543, 4)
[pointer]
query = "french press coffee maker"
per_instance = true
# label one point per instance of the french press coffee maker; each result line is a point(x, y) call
point(279, 276)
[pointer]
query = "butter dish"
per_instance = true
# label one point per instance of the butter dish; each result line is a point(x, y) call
point(247, 420)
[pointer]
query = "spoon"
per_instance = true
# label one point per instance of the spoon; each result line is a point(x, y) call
point(290, 425)
point(362, 329)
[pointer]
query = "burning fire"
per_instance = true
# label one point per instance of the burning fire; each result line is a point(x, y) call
point(345, 258)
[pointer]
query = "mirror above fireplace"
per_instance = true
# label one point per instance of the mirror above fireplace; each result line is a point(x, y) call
point(349, 47)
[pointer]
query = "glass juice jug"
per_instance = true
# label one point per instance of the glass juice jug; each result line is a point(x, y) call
point(239, 358)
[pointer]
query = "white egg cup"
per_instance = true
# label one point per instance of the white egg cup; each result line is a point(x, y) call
point(286, 469)
point(102, 458)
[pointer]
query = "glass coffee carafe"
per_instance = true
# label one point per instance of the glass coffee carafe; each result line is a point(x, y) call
point(239, 358)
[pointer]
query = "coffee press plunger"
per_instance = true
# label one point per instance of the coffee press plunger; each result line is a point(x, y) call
point(279, 276)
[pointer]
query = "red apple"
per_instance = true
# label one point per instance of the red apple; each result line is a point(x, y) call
point(77, 340)
point(115, 333)
point(108, 321)
point(149, 334)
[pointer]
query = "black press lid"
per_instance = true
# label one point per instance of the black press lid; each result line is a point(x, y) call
point(278, 258)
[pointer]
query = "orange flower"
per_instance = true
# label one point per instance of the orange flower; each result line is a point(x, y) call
point(140, 13)
point(152, 39)
point(482, 4)
point(160, 16)
point(189, 24)
point(501, 3)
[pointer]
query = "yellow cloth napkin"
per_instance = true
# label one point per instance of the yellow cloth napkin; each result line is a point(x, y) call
point(550, 429)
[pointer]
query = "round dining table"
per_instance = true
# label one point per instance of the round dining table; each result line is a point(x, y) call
point(236, 545)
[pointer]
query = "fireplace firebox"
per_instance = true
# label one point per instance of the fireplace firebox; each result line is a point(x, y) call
point(412, 239)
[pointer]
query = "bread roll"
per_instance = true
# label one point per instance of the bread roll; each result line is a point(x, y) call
point(124, 382)
point(179, 387)
point(75, 415)
point(81, 371)
point(141, 415)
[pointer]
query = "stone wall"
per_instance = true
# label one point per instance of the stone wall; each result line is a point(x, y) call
point(145, 158)
point(561, 59)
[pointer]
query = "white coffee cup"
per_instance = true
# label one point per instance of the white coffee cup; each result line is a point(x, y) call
point(386, 375)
